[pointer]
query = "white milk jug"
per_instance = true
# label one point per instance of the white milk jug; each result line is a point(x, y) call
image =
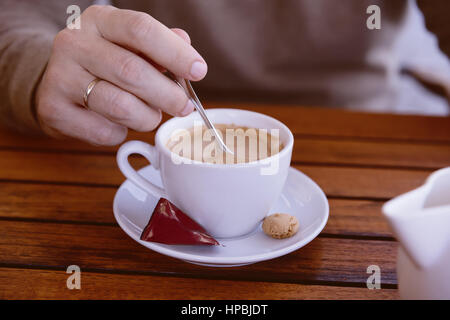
point(420, 220)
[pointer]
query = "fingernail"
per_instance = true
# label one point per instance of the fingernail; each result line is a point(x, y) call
point(188, 108)
point(198, 70)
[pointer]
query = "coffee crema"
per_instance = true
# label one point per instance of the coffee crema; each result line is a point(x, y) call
point(248, 144)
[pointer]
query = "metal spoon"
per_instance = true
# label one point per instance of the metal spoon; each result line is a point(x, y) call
point(187, 87)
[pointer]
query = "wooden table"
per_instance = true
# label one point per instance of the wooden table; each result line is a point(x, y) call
point(56, 210)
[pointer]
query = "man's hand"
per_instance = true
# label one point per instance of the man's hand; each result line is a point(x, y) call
point(126, 49)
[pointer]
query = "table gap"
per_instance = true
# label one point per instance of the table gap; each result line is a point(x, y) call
point(192, 276)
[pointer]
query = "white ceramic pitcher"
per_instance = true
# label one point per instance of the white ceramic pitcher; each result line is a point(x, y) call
point(420, 220)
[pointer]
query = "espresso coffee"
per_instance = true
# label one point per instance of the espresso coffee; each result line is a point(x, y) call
point(248, 144)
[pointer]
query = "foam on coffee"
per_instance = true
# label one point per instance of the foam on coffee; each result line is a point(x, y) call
point(248, 144)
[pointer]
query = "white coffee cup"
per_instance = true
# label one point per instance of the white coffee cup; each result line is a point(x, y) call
point(228, 200)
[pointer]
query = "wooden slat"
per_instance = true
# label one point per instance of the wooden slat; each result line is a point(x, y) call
point(51, 284)
point(306, 150)
point(102, 169)
point(357, 218)
point(109, 248)
point(369, 153)
point(339, 123)
point(42, 166)
point(93, 205)
point(15, 141)
point(342, 123)
point(57, 203)
point(364, 182)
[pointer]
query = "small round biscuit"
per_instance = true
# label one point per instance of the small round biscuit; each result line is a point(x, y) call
point(280, 225)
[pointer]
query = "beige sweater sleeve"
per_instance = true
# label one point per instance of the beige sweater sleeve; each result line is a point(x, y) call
point(27, 29)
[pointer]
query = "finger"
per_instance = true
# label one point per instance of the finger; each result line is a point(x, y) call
point(130, 72)
point(116, 104)
point(122, 107)
point(182, 34)
point(73, 120)
point(91, 127)
point(147, 35)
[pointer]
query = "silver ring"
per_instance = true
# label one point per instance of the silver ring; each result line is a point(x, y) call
point(88, 91)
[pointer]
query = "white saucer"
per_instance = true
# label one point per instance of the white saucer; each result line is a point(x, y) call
point(301, 197)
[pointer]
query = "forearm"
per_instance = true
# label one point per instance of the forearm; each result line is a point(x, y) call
point(27, 29)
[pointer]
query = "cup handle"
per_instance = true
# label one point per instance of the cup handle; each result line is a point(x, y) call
point(147, 151)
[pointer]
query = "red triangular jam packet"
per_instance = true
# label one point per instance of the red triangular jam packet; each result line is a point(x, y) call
point(169, 225)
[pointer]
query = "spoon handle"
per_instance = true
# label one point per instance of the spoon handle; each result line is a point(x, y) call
point(187, 87)
point(205, 118)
